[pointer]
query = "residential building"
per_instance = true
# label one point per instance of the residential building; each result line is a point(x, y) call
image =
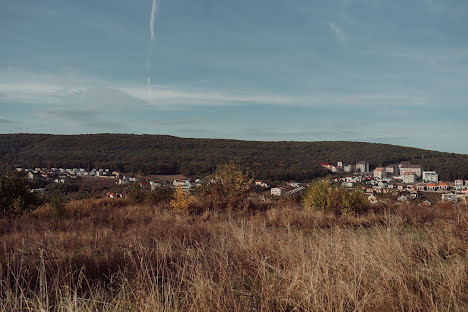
point(276, 191)
point(392, 170)
point(443, 186)
point(416, 169)
point(458, 182)
point(409, 177)
point(326, 166)
point(261, 184)
point(379, 173)
point(362, 166)
point(349, 168)
point(420, 187)
point(184, 183)
point(430, 177)
point(450, 197)
point(432, 187)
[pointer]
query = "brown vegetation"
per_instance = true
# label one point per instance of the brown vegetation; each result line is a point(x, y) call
point(111, 255)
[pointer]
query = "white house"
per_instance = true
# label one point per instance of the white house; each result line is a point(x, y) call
point(430, 177)
point(349, 168)
point(276, 191)
point(261, 184)
point(458, 182)
point(443, 186)
point(450, 197)
point(293, 184)
point(184, 183)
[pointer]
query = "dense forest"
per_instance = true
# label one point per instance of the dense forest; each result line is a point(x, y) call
point(162, 154)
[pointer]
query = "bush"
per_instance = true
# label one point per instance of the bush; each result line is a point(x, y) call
point(227, 189)
point(320, 196)
point(15, 197)
point(136, 193)
point(57, 205)
point(181, 201)
point(316, 196)
point(159, 195)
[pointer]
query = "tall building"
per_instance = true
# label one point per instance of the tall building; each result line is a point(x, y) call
point(392, 170)
point(417, 169)
point(379, 173)
point(362, 166)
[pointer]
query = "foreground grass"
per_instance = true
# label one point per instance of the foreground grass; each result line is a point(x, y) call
point(110, 256)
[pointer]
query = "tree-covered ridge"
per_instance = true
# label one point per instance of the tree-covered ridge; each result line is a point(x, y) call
point(162, 154)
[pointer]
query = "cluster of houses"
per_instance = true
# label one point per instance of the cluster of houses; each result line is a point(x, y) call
point(61, 175)
point(289, 188)
point(394, 178)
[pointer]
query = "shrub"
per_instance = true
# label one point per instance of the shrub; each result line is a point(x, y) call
point(227, 189)
point(159, 194)
point(320, 196)
point(353, 201)
point(15, 197)
point(181, 201)
point(136, 193)
point(57, 205)
point(316, 196)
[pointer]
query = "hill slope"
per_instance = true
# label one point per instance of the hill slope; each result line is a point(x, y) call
point(161, 154)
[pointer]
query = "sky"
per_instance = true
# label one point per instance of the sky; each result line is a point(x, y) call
point(391, 72)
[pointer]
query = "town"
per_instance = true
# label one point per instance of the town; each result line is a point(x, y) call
point(403, 181)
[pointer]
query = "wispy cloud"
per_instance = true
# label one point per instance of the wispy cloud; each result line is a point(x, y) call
point(340, 35)
point(92, 94)
point(4, 120)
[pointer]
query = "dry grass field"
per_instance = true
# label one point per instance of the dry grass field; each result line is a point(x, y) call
point(109, 255)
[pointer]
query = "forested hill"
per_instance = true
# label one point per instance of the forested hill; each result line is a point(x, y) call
point(161, 154)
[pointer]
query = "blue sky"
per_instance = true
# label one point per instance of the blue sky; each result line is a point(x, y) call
point(364, 70)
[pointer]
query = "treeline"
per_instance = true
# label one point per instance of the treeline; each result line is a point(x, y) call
point(161, 154)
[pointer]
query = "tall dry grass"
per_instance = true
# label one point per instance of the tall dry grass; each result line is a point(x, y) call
point(109, 255)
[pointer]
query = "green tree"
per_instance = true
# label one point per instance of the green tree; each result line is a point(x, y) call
point(316, 196)
point(136, 193)
point(159, 194)
point(15, 197)
point(227, 189)
point(353, 201)
point(57, 205)
point(321, 196)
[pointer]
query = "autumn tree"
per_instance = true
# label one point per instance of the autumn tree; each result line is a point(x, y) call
point(181, 201)
point(227, 189)
point(325, 198)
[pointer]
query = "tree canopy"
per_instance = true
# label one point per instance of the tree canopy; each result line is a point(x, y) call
point(162, 154)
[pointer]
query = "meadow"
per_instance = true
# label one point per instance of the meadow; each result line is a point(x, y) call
point(112, 255)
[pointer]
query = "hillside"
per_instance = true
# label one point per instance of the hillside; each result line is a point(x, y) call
point(162, 154)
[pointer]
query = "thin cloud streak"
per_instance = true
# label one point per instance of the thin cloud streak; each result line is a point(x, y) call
point(173, 97)
point(152, 18)
point(338, 32)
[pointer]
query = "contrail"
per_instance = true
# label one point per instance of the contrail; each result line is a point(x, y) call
point(150, 48)
point(153, 14)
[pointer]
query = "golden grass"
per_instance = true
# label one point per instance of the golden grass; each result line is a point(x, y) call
point(108, 255)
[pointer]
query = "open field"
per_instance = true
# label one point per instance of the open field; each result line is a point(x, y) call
point(109, 255)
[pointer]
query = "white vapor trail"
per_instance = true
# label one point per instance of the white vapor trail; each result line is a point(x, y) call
point(150, 48)
point(153, 14)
